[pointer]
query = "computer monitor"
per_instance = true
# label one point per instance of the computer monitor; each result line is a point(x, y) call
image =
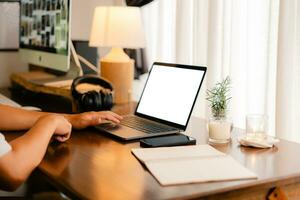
point(45, 33)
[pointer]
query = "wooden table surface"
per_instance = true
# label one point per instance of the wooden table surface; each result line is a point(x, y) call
point(93, 165)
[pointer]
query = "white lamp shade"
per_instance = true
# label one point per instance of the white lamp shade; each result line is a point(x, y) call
point(117, 27)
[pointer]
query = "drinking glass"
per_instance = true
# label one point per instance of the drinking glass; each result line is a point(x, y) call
point(256, 126)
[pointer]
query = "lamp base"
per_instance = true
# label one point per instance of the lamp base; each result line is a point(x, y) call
point(120, 74)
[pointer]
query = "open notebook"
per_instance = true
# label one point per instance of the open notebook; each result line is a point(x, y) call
point(191, 164)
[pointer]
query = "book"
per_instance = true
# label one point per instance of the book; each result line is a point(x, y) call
point(191, 164)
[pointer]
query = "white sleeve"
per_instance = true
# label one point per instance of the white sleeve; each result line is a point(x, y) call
point(4, 145)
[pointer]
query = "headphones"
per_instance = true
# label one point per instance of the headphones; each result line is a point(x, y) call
point(93, 100)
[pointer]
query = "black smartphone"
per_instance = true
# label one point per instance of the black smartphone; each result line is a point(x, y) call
point(167, 141)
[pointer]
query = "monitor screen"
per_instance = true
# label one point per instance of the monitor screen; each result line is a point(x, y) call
point(170, 93)
point(44, 28)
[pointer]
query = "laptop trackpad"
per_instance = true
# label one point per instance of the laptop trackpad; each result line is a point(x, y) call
point(119, 130)
point(109, 126)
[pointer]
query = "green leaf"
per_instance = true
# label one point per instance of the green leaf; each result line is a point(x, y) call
point(218, 97)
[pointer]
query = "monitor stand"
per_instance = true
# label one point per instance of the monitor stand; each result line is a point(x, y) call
point(74, 71)
point(58, 81)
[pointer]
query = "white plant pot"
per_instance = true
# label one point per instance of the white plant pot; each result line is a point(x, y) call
point(219, 130)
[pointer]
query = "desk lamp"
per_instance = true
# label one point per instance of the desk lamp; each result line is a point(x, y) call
point(117, 27)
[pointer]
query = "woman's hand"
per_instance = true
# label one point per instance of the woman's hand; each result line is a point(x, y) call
point(28, 150)
point(62, 126)
point(83, 120)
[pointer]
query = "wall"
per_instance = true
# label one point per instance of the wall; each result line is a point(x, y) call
point(10, 62)
point(81, 19)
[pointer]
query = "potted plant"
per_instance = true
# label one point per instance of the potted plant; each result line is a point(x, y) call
point(219, 126)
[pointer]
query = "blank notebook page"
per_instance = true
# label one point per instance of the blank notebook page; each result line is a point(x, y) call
point(191, 164)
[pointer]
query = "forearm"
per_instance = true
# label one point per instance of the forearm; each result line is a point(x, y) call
point(17, 119)
point(27, 152)
point(20, 119)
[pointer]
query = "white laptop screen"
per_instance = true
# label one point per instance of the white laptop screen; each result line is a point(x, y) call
point(170, 93)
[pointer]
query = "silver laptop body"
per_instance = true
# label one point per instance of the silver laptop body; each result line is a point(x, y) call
point(165, 105)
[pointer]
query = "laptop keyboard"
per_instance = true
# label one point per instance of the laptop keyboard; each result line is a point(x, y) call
point(145, 125)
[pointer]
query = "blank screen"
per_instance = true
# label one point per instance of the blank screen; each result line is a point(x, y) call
point(170, 92)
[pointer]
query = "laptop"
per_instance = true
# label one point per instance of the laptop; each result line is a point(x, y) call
point(165, 105)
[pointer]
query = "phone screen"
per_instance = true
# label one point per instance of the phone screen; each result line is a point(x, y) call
point(172, 140)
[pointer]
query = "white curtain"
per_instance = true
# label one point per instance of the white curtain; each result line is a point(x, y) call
point(288, 71)
point(242, 42)
point(240, 38)
point(176, 31)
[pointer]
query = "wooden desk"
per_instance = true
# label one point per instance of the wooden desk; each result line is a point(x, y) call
point(92, 165)
point(24, 79)
point(26, 83)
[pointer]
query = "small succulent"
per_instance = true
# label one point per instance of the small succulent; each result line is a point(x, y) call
point(219, 98)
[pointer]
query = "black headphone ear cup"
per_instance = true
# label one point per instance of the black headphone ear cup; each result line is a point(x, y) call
point(109, 101)
point(98, 101)
point(91, 101)
point(85, 101)
point(104, 98)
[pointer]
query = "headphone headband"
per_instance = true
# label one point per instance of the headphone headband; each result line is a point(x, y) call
point(92, 79)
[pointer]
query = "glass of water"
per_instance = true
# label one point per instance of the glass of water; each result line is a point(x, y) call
point(256, 127)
